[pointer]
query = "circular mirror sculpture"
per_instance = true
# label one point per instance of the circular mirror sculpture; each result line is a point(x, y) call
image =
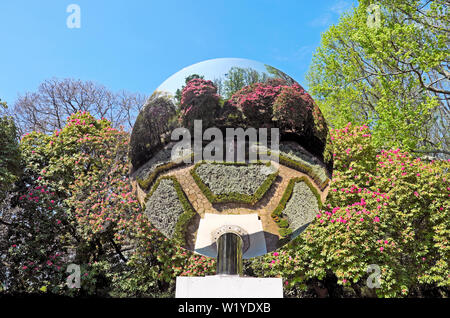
point(230, 144)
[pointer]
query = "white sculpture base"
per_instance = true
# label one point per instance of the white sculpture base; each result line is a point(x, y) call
point(228, 286)
point(205, 245)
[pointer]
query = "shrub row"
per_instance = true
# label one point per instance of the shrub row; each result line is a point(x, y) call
point(305, 169)
point(277, 214)
point(146, 183)
point(234, 197)
point(184, 219)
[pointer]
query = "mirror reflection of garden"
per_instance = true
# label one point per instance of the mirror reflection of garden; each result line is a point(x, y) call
point(284, 192)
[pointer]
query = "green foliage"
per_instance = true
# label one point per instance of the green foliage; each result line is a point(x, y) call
point(185, 218)
point(285, 232)
point(239, 77)
point(393, 78)
point(74, 204)
point(233, 197)
point(84, 165)
point(384, 207)
point(283, 223)
point(32, 248)
point(9, 152)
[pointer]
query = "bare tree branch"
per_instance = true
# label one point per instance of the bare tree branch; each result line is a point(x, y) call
point(56, 99)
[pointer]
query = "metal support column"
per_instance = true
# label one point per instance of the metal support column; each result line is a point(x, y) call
point(229, 254)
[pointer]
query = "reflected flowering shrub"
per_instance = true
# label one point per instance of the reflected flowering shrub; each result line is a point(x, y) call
point(256, 102)
point(153, 124)
point(199, 100)
point(290, 106)
point(292, 109)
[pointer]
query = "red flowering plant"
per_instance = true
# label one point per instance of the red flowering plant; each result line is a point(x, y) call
point(384, 208)
point(74, 165)
point(198, 265)
point(199, 100)
point(256, 101)
point(33, 241)
point(292, 108)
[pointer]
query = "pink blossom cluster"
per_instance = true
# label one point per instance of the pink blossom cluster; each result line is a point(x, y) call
point(196, 88)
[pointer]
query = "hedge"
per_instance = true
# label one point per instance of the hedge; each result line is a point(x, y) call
point(278, 211)
point(146, 183)
point(305, 169)
point(233, 197)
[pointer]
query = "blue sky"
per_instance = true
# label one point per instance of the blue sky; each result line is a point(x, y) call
point(136, 45)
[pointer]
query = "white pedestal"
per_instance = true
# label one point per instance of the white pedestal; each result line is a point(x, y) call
point(205, 245)
point(228, 286)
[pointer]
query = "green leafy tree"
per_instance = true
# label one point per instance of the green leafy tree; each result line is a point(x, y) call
point(239, 77)
point(81, 167)
point(393, 77)
point(34, 235)
point(9, 150)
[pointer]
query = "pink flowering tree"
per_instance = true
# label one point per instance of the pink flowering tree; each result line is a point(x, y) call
point(74, 204)
point(76, 166)
point(256, 102)
point(385, 208)
point(199, 100)
point(292, 108)
point(32, 241)
point(289, 107)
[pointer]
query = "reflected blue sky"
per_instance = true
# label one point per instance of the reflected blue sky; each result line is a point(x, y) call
point(210, 69)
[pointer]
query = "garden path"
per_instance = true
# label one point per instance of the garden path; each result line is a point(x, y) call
point(264, 207)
